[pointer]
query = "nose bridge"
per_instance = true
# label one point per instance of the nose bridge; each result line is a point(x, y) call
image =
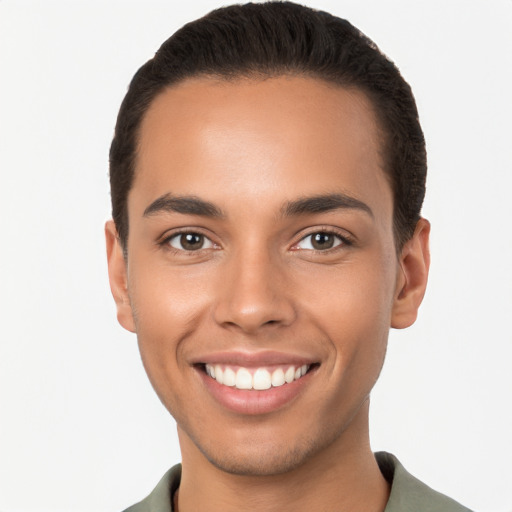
point(254, 290)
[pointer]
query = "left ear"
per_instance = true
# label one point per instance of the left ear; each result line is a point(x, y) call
point(412, 279)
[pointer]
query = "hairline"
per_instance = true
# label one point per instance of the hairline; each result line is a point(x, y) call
point(383, 136)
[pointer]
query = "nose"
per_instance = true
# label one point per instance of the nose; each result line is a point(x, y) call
point(254, 293)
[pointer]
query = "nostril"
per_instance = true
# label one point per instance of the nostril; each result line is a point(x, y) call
point(251, 311)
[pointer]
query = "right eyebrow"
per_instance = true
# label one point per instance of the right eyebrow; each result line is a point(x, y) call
point(187, 205)
point(324, 203)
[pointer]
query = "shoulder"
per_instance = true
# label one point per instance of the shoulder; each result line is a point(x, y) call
point(408, 493)
point(160, 498)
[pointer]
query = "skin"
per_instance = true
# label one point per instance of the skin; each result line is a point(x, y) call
point(250, 147)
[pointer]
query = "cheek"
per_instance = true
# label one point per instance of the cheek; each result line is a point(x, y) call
point(166, 299)
point(352, 307)
point(355, 297)
point(165, 314)
point(168, 306)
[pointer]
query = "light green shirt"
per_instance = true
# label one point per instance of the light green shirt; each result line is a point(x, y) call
point(408, 494)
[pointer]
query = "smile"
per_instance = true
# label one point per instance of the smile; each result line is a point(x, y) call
point(256, 383)
point(255, 378)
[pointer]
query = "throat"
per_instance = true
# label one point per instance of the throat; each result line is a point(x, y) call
point(344, 489)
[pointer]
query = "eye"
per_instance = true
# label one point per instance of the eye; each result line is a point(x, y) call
point(189, 242)
point(320, 241)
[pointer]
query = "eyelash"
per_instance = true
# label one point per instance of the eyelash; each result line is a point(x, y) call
point(343, 240)
point(166, 242)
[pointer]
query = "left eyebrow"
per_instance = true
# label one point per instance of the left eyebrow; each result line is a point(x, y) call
point(324, 203)
point(187, 205)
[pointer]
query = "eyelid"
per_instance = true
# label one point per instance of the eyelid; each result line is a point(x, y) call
point(345, 238)
point(178, 236)
point(336, 243)
point(165, 239)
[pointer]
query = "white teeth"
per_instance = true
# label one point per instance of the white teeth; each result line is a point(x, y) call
point(289, 376)
point(243, 379)
point(229, 377)
point(278, 378)
point(219, 374)
point(261, 379)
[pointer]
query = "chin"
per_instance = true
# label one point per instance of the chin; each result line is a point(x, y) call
point(265, 458)
point(261, 463)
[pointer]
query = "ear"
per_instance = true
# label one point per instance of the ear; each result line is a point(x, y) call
point(412, 277)
point(118, 277)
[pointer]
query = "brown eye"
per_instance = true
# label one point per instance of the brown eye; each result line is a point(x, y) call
point(190, 242)
point(320, 241)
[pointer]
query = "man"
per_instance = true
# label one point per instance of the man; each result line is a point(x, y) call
point(267, 175)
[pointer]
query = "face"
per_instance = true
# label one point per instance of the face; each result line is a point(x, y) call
point(261, 274)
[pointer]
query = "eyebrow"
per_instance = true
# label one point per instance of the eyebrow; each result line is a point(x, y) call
point(192, 205)
point(188, 205)
point(324, 203)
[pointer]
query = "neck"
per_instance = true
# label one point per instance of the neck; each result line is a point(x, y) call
point(344, 477)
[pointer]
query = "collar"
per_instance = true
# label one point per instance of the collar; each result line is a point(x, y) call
point(407, 492)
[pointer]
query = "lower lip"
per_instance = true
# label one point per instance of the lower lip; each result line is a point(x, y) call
point(252, 402)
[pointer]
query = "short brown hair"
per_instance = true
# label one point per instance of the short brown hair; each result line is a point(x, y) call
point(272, 39)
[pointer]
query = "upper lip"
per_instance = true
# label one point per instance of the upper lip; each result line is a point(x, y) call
point(254, 359)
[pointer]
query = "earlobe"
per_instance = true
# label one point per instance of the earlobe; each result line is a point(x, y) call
point(413, 276)
point(118, 277)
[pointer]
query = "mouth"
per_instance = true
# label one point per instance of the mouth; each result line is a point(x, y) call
point(259, 379)
point(252, 385)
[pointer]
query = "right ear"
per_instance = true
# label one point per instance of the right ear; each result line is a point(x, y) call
point(118, 277)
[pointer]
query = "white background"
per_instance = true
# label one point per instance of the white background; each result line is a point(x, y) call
point(80, 427)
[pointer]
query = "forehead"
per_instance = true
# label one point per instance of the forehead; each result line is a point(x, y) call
point(278, 137)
